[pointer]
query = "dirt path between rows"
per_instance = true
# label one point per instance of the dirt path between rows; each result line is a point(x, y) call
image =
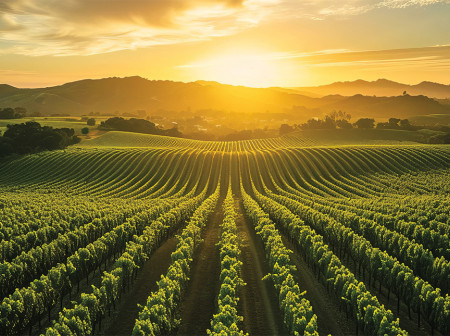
point(405, 323)
point(330, 318)
point(122, 320)
point(259, 302)
point(199, 302)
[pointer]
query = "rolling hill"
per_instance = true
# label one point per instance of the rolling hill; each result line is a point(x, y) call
point(131, 94)
point(380, 87)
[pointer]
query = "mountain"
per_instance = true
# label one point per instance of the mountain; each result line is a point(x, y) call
point(156, 97)
point(403, 106)
point(6, 89)
point(380, 87)
point(129, 94)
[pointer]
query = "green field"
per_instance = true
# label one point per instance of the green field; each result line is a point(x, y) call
point(306, 234)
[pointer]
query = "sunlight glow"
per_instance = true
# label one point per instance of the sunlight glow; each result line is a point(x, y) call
point(249, 69)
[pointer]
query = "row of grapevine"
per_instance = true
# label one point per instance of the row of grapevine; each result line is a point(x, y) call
point(379, 228)
point(371, 316)
point(158, 316)
point(25, 212)
point(55, 226)
point(111, 172)
point(299, 317)
point(81, 319)
point(227, 319)
point(25, 306)
point(437, 243)
point(28, 265)
point(421, 260)
point(435, 270)
point(415, 292)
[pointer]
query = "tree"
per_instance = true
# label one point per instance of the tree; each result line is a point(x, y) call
point(173, 132)
point(20, 112)
point(12, 113)
point(340, 115)
point(85, 130)
point(285, 128)
point(90, 122)
point(344, 124)
point(7, 113)
point(138, 126)
point(393, 122)
point(365, 123)
point(31, 137)
point(404, 123)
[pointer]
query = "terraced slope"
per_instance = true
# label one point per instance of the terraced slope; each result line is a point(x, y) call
point(364, 228)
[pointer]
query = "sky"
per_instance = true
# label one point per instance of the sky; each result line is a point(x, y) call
point(260, 43)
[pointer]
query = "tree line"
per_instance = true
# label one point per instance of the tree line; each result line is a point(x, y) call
point(31, 137)
point(138, 126)
point(341, 120)
point(12, 113)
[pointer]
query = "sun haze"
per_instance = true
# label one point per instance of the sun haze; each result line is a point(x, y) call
point(254, 69)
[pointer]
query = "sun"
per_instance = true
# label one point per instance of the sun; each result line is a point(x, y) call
point(237, 68)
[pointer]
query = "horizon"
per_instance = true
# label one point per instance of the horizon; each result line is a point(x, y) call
point(221, 83)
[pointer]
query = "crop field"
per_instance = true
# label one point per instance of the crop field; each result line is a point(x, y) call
point(166, 236)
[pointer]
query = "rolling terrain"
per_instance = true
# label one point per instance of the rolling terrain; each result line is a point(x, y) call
point(297, 234)
point(380, 87)
point(131, 94)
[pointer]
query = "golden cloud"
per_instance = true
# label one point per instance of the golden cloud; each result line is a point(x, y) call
point(84, 27)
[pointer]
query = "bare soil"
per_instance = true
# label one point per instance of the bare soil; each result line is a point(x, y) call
point(199, 302)
point(259, 301)
point(330, 318)
point(85, 287)
point(122, 320)
point(410, 325)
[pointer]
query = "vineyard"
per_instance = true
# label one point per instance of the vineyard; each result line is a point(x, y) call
point(166, 236)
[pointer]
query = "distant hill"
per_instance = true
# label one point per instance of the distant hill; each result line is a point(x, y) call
point(380, 87)
point(111, 95)
point(131, 94)
point(399, 106)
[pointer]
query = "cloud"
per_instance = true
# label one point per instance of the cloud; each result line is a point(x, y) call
point(321, 9)
point(329, 56)
point(8, 23)
point(85, 27)
point(436, 58)
point(336, 56)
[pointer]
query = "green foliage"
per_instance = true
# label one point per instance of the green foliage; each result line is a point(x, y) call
point(138, 126)
point(31, 137)
point(227, 320)
point(91, 122)
point(158, 316)
point(365, 123)
point(298, 314)
point(381, 209)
